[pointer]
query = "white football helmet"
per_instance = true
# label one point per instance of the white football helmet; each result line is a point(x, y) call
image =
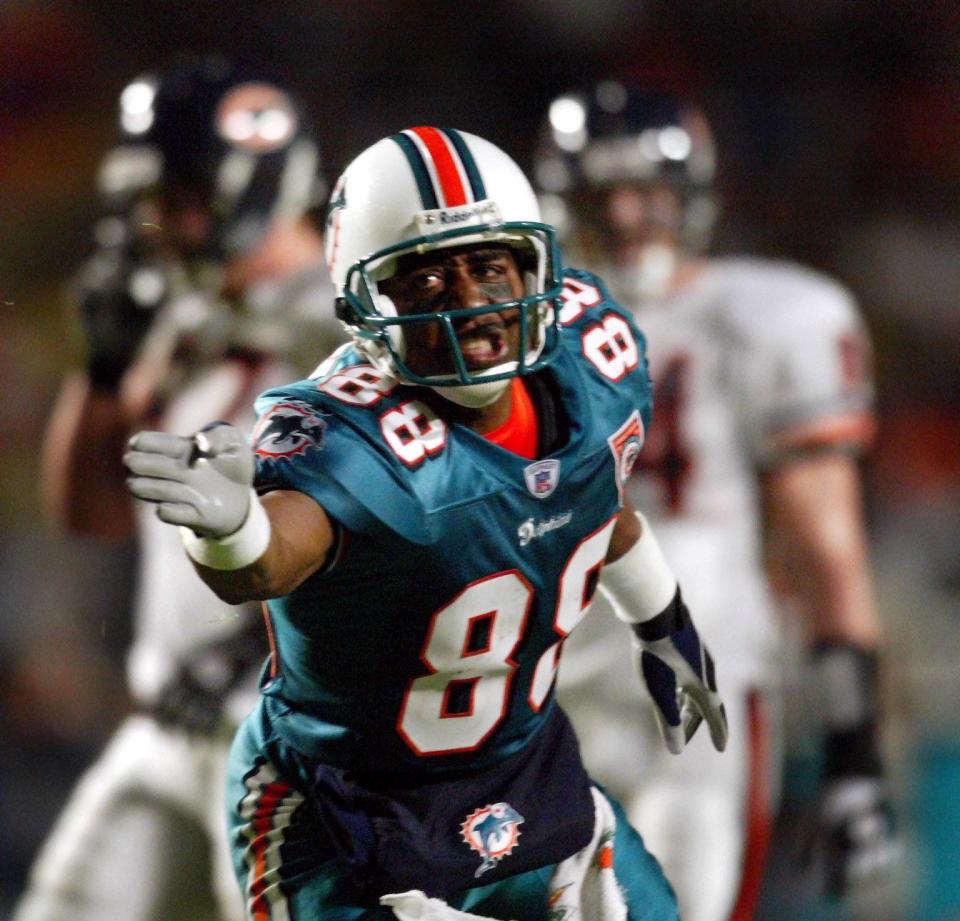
point(433, 188)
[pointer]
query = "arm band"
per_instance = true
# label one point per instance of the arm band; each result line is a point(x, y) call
point(640, 584)
point(245, 546)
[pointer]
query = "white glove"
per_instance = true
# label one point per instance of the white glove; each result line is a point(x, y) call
point(678, 671)
point(415, 906)
point(202, 482)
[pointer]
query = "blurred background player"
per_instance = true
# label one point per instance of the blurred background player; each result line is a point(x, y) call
point(750, 477)
point(207, 286)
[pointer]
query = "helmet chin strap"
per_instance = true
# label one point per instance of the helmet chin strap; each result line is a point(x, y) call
point(474, 396)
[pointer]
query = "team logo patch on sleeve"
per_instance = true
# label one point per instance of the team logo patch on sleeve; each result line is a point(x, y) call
point(626, 443)
point(492, 831)
point(289, 429)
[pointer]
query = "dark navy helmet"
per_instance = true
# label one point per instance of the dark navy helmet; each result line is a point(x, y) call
point(612, 133)
point(631, 172)
point(208, 134)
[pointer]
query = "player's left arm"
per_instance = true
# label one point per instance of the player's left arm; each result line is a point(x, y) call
point(807, 403)
point(672, 660)
point(817, 545)
point(818, 555)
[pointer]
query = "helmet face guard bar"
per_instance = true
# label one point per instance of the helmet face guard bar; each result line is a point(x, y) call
point(528, 360)
point(537, 312)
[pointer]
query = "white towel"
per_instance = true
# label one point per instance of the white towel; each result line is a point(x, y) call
point(583, 887)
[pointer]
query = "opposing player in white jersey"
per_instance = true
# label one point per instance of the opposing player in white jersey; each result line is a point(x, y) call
point(208, 283)
point(763, 400)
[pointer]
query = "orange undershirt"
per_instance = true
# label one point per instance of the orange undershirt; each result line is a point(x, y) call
point(519, 433)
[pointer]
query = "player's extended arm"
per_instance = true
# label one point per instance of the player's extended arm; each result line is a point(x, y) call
point(672, 660)
point(818, 554)
point(82, 479)
point(244, 547)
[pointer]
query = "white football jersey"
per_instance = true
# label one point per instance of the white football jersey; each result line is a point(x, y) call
point(752, 359)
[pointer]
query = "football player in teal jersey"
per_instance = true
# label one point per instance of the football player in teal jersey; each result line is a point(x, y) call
point(428, 517)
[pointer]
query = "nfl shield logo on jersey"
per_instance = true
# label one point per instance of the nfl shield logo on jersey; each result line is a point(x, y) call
point(492, 831)
point(542, 477)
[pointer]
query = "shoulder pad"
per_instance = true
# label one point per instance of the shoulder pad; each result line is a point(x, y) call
point(776, 297)
point(584, 294)
point(308, 440)
point(605, 337)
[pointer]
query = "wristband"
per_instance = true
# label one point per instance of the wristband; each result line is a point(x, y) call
point(245, 546)
point(669, 622)
point(640, 584)
point(846, 676)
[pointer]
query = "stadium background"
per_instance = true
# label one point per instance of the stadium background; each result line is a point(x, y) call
point(839, 128)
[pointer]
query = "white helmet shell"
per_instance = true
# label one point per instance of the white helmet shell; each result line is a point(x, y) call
point(423, 180)
point(429, 188)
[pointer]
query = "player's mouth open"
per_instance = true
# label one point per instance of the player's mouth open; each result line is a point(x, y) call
point(483, 341)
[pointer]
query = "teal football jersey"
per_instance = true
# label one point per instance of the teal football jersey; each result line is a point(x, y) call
point(432, 637)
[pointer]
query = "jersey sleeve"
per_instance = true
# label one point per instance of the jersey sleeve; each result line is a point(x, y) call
point(302, 444)
point(802, 370)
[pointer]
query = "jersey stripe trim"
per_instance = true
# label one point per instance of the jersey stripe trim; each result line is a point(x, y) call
point(420, 172)
point(758, 809)
point(272, 640)
point(267, 809)
point(469, 164)
point(850, 430)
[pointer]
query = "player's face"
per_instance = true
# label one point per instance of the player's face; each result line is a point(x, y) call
point(634, 216)
point(455, 278)
point(631, 233)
